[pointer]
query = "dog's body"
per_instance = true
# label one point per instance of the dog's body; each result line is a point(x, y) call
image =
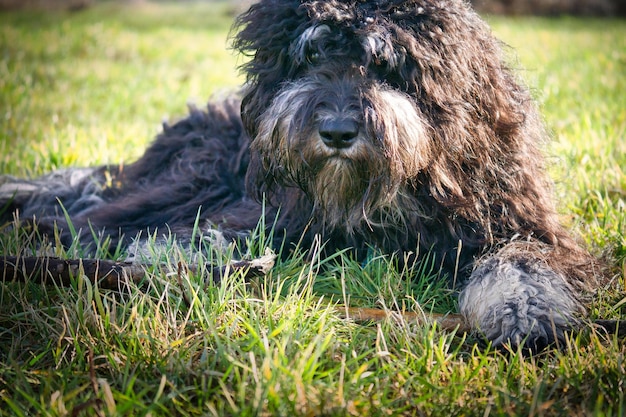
point(392, 125)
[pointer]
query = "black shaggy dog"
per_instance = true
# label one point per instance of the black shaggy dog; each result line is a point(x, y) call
point(373, 124)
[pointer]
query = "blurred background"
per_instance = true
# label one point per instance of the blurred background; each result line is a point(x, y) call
point(506, 7)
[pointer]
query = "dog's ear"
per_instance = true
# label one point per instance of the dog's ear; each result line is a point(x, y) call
point(484, 121)
point(263, 35)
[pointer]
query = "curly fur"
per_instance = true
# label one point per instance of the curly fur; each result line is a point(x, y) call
point(384, 124)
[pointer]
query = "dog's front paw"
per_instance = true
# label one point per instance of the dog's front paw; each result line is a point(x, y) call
point(519, 303)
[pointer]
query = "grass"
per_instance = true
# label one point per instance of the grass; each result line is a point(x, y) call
point(91, 87)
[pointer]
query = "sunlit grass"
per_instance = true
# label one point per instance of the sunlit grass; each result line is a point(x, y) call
point(577, 69)
point(93, 88)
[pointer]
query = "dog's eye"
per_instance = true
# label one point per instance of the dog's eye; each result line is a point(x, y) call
point(313, 57)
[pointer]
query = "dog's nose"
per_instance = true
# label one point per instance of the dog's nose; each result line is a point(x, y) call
point(338, 133)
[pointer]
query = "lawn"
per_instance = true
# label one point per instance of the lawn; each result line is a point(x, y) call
point(92, 87)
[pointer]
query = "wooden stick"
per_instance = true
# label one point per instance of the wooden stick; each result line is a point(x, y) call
point(456, 322)
point(116, 276)
point(444, 321)
point(109, 275)
point(45, 270)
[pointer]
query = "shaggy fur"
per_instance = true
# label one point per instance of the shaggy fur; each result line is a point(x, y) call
point(384, 124)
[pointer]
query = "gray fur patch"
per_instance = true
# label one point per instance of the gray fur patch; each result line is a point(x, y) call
point(519, 303)
point(77, 188)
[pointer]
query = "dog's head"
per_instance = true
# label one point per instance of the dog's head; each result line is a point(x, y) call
point(362, 104)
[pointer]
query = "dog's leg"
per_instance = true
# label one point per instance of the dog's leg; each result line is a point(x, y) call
point(519, 302)
point(77, 189)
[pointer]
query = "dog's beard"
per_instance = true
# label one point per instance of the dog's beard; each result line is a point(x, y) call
point(344, 189)
point(353, 187)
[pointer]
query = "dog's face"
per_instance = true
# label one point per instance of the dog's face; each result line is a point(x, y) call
point(349, 101)
point(341, 133)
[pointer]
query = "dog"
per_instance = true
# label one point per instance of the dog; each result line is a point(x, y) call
point(385, 125)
